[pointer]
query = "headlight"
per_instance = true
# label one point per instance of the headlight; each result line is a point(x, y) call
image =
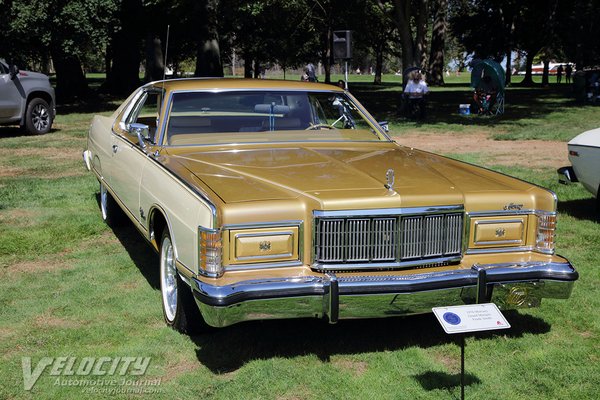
point(546, 228)
point(259, 245)
point(210, 252)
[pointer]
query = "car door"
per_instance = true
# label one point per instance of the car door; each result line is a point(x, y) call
point(11, 95)
point(129, 158)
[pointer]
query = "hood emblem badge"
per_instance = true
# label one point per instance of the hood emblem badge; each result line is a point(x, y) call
point(389, 177)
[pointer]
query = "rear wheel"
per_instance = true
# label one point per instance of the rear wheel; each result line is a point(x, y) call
point(38, 117)
point(179, 308)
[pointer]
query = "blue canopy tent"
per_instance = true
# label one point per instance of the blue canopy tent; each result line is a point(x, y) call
point(487, 79)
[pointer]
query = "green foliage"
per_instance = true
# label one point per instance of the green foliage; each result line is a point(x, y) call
point(78, 27)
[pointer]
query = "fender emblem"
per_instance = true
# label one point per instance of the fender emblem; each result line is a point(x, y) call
point(513, 207)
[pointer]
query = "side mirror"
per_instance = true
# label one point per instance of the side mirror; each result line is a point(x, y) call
point(13, 71)
point(141, 131)
point(384, 125)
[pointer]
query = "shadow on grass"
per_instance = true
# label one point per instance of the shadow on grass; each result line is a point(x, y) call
point(442, 105)
point(141, 253)
point(440, 380)
point(228, 349)
point(583, 209)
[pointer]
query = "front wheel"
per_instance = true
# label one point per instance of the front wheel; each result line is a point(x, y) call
point(38, 117)
point(111, 212)
point(179, 308)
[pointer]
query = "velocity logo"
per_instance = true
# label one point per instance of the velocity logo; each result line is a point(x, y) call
point(87, 366)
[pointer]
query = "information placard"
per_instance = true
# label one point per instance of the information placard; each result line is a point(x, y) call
point(470, 318)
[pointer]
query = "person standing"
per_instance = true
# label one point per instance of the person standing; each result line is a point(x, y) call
point(311, 73)
point(559, 72)
point(568, 72)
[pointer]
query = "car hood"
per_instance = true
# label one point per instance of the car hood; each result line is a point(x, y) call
point(342, 177)
point(588, 138)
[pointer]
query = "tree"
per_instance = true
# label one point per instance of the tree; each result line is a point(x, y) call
point(125, 48)
point(64, 30)
point(438, 43)
point(577, 22)
point(411, 18)
point(534, 30)
point(208, 56)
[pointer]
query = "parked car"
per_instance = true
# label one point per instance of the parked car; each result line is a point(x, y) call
point(277, 199)
point(584, 154)
point(26, 99)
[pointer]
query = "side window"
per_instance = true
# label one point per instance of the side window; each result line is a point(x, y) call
point(146, 111)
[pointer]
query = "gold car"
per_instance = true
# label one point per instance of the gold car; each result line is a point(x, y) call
point(269, 199)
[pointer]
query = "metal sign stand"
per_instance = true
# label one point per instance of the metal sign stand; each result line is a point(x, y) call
point(469, 318)
point(462, 366)
point(346, 76)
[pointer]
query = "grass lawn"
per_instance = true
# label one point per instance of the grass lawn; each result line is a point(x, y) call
point(70, 286)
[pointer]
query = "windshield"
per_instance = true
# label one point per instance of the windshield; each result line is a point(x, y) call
point(265, 116)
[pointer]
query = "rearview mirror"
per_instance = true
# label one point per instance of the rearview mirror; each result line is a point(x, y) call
point(14, 71)
point(142, 132)
point(384, 125)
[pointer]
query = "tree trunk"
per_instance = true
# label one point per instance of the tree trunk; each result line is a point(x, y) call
point(326, 59)
point(256, 69)
point(508, 68)
point(155, 67)
point(70, 79)
point(247, 65)
point(208, 60)
point(413, 49)
point(545, 74)
point(378, 63)
point(422, 27)
point(208, 56)
point(403, 16)
point(438, 36)
point(124, 74)
point(528, 81)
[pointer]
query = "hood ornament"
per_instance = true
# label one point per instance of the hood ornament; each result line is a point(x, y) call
point(389, 177)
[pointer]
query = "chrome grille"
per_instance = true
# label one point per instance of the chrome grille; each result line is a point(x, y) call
point(387, 239)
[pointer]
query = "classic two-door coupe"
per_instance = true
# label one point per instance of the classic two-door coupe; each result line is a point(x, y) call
point(278, 199)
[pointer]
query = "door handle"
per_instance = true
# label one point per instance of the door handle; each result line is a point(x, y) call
point(115, 148)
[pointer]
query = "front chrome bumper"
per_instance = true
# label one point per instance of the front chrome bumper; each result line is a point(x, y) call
point(514, 285)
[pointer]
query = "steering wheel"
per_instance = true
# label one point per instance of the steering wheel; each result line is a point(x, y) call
point(313, 127)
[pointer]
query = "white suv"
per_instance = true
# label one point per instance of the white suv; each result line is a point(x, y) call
point(26, 99)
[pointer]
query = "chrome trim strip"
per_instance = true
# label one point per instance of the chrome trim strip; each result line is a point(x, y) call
point(500, 213)
point(264, 265)
point(388, 211)
point(258, 225)
point(383, 265)
point(499, 250)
